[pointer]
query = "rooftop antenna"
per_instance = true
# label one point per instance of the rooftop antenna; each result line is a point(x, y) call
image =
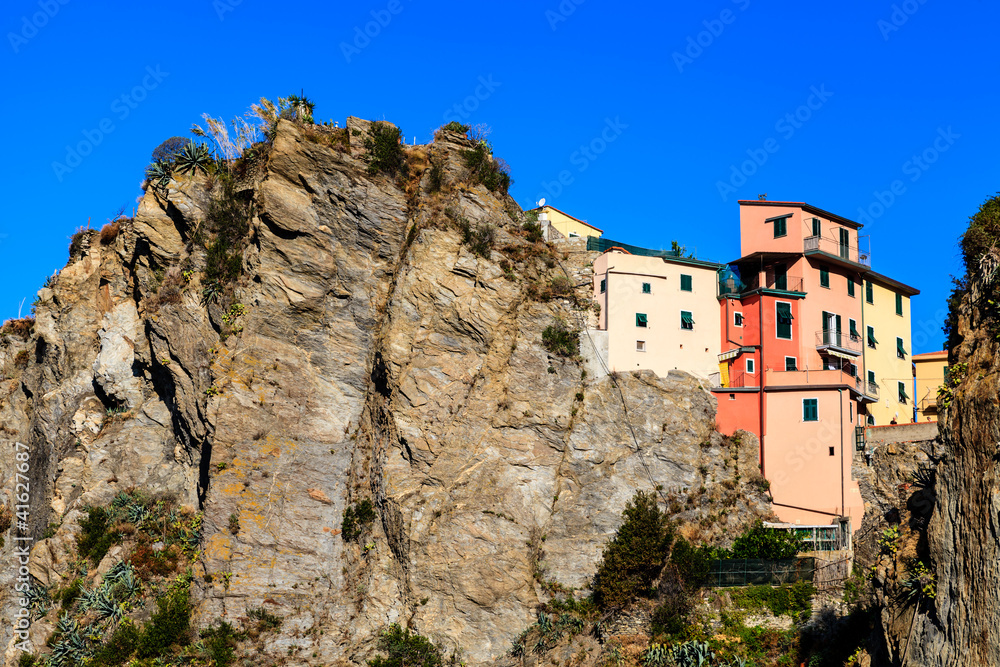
point(541, 202)
point(762, 197)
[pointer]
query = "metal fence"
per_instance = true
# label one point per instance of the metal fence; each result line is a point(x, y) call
point(755, 571)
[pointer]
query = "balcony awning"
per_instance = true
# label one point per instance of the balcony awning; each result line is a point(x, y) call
point(731, 354)
point(834, 353)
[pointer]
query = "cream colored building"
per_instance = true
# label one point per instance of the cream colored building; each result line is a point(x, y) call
point(659, 313)
point(564, 223)
point(929, 369)
point(886, 341)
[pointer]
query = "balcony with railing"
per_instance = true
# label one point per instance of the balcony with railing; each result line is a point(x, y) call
point(928, 404)
point(838, 341)
point(836, 248)
point(836, 376)
point(733, 286)
point(871, 389)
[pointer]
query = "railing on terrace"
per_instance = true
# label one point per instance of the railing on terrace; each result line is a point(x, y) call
point(832, 338)
point(740, 572)
point(734, 286)
point(928, 404)
point(871, 389)
point(742, 379)
point(775, 378)
point(835, 247)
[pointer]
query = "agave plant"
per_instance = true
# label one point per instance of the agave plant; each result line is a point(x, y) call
point(693, 654)
point(67, 624)
point(658, 655)
point(544, 623)
point(38, 599)
point(159, 173)
point(193, 157)
point(136, 514)
point(107, 607)
point(86, 599)
point(118, 572)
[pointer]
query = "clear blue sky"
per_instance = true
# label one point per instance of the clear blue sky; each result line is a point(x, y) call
point(666, 101)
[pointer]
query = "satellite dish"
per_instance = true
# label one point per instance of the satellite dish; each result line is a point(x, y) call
point(541, 202)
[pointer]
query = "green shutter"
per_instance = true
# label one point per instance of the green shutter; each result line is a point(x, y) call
point(790, 364)
point(686, 318)
point(899, 304)
point(783, 313)
point(810, 410)
point(640, 319)
point(647, 288)
point(685, 283)
point(871, 377)
point(872, 342)
point(824, 278)
point(900, 350)
point(816, 228)
point(779, 227)
point(869, 292)
point(604, 286)
point(850, 286)
point(854, 330)
point(903, 398)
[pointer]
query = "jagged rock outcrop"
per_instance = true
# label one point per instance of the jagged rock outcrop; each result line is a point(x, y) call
point(961, 625)
point(374, 356)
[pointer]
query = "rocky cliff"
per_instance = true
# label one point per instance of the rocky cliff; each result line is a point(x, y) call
point(959, 623)
point(366, 351)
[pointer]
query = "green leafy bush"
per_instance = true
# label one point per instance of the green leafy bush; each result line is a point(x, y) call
point(356, 519)
point(486, 169)
point(95, 536)
point(766, 543)
point(192, 158)
point(169, 149)
point(790, 600)
point(384, 144)
point(533, 231)
point(435, 179)
point(560, 340)
point(635, 556)
point(479, 238)
point(406, 649)
point(169, 626)
point(455, 126)
point(692, 563)
point(228, 220)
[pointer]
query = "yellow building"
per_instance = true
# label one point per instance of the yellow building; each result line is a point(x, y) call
point(930, 369)
point(564, 223)
point(888, 361)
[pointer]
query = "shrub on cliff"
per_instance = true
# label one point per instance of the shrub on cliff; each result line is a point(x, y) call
point(168, 149)
point(636, 555)
point(384, 144)
point(561, 340)
point(768, 543)
point(406, 649)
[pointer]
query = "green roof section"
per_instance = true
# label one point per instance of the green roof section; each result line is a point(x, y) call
point(595, 244)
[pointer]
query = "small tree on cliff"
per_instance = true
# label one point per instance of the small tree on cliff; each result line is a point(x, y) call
point(636, 555)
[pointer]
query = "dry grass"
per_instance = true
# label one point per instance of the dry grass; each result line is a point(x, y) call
point(110, 232)
point(21, 328)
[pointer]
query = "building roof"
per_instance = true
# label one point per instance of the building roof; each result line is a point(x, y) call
point(573, 217)
point(931, 356)
point(808, 208)
point(886, 281)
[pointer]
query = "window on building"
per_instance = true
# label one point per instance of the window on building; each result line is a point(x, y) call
point(640, 319)
point(790, 364)
point(855, 336)
point(899, 304)
point(871, 377)
point(872, 342)
point(640, 346)
point(903, 398)
point(850, 286)
point(824, 278)
point(685, 283)
point(738, 319)
point(604, 285)
point(810, 409)
point(831, 451)
point(869, 292)
point(750, 366)
point(647, 288)
point(816, 227)
point(845, 241)
point(687, 322)
point(900, 350)
point(780, 227)
point(871, 420)
point(783, 317)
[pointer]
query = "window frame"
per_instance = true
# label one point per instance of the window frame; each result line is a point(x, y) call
point(850, 287)
point(647, 288)
point(814, 405)
point(817, 227)
point(640, 346)
point(869, 292)
point(824, 278)
point(604, 285)
point(777, 323)
point(795, 364)
point(738, 318)
point(899, 304)
point(901, 393)
point(751, 366)
point(852, 329)
point(684, 326)
point(689, 280)
point(642, 320)
point(870, 338)
point(782, 225)
point(900, 349)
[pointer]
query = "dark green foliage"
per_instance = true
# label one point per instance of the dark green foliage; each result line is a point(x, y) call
point(27, 660)
point(791, 600)
point(406, 649)
point(263, 619)
point(170, 625)
point(118, 648)
point(766, 543)
point(67, 596)
point(95, 537)
point(435, 179)
point(635, 556)
point(455, 126)
point(411, 235)
point(76, 243)
point(479, 238)
point(983, 232)
point(676, 598)
point(534, 231)
point(692, 563)
point(561, 340)
point(959, 288)
point(229, 221)
point(169, 148)
point(485, 169)
point(159, 173)
point(356, 519)
point(192, 158)
point(220, 643)
point(384, 144)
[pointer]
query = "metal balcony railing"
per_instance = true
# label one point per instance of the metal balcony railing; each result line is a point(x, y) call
point(928, 404)
point(871, 389)
point(839, 340)
point(734, 287)
point(835, 247)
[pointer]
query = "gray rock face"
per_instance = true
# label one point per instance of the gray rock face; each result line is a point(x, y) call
point(369, 361)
